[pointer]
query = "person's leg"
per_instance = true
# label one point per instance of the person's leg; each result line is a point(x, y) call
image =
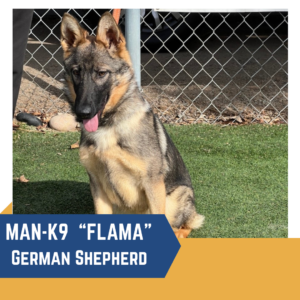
point(21, 25)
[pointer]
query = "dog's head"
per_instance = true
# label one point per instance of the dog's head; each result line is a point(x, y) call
point(98, 68)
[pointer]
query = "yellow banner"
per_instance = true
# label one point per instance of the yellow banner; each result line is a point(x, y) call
point(203, 269)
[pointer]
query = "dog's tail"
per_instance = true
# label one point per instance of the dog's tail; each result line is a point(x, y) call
point(195, 221)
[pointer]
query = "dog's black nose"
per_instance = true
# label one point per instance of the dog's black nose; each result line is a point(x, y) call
point(84, 111)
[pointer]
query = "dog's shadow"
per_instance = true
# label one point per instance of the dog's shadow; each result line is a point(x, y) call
point(52, 197)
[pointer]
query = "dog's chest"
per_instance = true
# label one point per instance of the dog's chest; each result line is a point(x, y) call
point(118, 172)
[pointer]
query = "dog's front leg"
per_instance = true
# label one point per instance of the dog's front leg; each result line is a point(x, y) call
point(101, 202)
point(156, 196)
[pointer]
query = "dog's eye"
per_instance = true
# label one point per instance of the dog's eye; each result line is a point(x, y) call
point(101, 73)
point(75, 72)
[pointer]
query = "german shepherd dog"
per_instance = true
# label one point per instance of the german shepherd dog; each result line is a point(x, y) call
point(133, 165)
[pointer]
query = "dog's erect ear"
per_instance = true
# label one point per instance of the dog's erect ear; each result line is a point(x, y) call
point(71, 32)
point(108, 32)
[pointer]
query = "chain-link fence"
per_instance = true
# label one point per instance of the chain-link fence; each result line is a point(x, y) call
point(195, 67)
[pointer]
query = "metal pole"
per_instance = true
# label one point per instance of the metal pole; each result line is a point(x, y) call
point(133, 40)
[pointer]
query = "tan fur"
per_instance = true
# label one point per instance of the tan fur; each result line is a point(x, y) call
point(67, 53)
point(69, 22)
point(162, 139)
point(124, 54)
point(174, 204)
point(196, 222)
point(126, 171)
point(72, 95)
point(156, 194)
point(102, 203)
point(107, 24)
point(100, 46)
point(126, 159)
point(116, 95)
point(182, 233)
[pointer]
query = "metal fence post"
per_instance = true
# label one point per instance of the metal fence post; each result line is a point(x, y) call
point(133, 38)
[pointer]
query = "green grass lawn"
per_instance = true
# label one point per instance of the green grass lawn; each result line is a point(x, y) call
point(239, 176)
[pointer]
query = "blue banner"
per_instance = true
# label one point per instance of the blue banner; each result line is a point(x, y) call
point(86, 246)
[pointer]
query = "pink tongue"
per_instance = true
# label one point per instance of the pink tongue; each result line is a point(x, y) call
point(91, 125)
